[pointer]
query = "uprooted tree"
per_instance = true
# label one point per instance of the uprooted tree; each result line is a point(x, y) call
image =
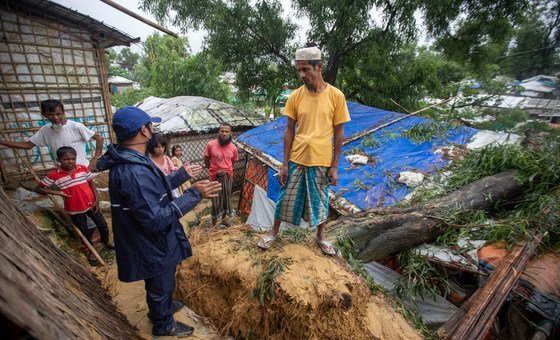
point(379, 232)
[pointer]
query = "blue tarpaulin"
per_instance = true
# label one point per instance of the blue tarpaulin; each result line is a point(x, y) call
point(373, 184)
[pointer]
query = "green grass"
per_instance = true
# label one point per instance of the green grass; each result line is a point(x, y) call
point(419, 277)
point(295, 235)
point(265, 288)
point(537, 210)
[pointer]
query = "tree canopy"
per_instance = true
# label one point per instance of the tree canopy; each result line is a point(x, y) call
point(168, 69)
point(257, 39)
point(536, 45)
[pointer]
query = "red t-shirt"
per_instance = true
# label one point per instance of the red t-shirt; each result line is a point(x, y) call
point(221, 157)
point(75, 184)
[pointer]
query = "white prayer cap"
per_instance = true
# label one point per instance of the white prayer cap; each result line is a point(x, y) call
point(308, 53)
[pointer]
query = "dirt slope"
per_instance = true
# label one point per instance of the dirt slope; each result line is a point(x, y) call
point(316, 296)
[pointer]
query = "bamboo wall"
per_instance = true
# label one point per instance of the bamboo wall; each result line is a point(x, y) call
point(43, 59)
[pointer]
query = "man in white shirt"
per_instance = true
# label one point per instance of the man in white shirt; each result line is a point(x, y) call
point(61, 132)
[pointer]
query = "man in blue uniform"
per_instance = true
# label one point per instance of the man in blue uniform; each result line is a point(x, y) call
point(149, 239)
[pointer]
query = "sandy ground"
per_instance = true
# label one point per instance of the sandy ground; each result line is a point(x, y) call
point(130, 298)
point(232, 264)
point(316, 296)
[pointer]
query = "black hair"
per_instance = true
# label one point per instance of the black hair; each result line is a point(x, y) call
point(64, 150)
point(175, 148)
point(160, 140)
point(227, 124)
point(314, 63)
point(50, 105)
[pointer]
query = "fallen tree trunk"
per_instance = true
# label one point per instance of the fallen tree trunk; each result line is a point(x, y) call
point(379, 232)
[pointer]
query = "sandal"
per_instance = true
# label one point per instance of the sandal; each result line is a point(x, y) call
point(326, 246)
point(266, 241)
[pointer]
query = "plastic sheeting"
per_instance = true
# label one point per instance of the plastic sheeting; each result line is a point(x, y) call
point(262, 212)
point(373, 184)
point(435, 310)
point(185, 114)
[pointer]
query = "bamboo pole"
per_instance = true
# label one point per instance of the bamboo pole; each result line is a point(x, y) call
point(31, 43)
point(106, 93)
point(38, 128)
point(367, 132)
point(76, 230)
point(138, 17)
point(475, 319)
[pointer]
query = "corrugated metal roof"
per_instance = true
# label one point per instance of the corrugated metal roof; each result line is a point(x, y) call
point(103, 36)
point(536, 86)
point(509, 102)
point(193, 115)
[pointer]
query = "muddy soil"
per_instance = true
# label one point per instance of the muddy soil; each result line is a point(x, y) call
point(315, 296)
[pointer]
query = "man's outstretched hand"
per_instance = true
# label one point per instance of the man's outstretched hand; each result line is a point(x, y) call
point(208, 189)
point(192, 169)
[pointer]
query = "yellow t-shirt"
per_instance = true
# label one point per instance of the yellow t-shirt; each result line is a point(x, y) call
point(316, 115)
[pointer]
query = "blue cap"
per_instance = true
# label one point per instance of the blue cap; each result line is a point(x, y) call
point(130, 119)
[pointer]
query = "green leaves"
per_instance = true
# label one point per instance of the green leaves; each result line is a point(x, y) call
point(265, 288)
point(419, 278)
point(169, 70)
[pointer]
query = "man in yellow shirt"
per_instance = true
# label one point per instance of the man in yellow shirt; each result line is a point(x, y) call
point(316, 112)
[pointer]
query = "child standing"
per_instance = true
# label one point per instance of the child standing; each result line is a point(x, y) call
point(158, 155)
point(75, 184)
point(177, 153)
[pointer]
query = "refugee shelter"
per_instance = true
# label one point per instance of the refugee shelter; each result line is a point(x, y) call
point(119, 84)
point(541, 86)
point(49, 51)
point(375, 184)
point(192, 122)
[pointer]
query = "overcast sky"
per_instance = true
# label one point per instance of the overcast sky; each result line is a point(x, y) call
point(135, 28)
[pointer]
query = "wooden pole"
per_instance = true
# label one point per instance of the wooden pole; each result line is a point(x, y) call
point(474, 321)
point(66, 215)
point(365, 133)
point(136, 16)
point(106, 93)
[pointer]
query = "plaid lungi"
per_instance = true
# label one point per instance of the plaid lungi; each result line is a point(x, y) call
point(221, 204)
point(305, 195)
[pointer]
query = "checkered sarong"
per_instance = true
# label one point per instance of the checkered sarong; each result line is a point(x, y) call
point(305, 195)
point(221, 204)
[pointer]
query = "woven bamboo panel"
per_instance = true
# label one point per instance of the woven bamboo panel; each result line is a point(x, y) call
point(42, 59)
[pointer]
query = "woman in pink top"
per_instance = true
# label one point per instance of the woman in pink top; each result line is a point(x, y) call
point(163, 162)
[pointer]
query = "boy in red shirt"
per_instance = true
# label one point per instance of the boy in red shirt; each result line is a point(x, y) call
point(219, 156)
point(75, 184)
